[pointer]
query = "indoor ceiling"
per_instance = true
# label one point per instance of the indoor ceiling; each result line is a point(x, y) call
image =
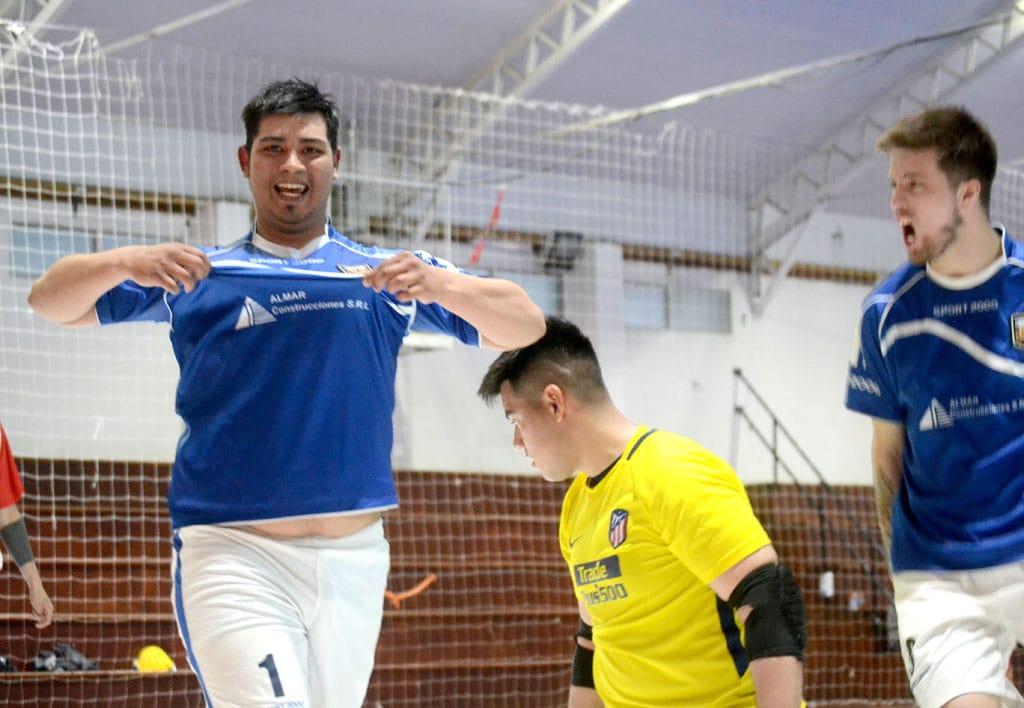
point(842, 56)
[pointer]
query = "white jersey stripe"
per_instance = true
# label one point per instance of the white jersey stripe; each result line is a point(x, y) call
point(954, 337)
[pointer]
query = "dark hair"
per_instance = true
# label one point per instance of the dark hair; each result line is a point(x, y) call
point(563, 356)
point(966, 148)
point(290, 97)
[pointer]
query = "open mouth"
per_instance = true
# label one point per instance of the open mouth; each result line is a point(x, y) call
point(290, 189)
point(908, 232)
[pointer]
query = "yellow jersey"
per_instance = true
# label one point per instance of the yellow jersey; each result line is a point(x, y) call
point(643, 540)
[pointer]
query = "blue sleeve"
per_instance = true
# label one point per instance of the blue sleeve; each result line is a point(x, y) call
point(870, 388)
point(130, 302)
point(434, 318)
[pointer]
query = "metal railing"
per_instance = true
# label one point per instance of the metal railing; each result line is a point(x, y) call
point(780, 467)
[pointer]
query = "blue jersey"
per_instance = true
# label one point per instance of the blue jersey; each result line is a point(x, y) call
point(287, 374)
point(945, 357)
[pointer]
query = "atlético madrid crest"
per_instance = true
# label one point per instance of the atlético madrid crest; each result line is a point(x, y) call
point(1017, 330)
point(617, 527)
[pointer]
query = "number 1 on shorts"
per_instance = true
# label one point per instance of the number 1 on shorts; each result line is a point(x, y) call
point(275, 680)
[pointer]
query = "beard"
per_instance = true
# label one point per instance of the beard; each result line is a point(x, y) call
point(945, 239)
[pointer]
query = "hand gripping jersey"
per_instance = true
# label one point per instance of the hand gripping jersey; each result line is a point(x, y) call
point(642, 541)
point(945, 357)
point(11, 489)
point(287, 379)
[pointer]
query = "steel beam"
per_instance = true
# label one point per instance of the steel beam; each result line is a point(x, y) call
point(532, 56)
point(844, 155)
point(515, 70)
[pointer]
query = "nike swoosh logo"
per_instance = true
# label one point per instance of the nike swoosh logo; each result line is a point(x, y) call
point(573, 541)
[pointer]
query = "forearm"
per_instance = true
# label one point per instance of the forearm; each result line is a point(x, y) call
point(67, 293)
point(886, 485)
point(778, 681)
point(501, 310)
point(887, 473)
point(42, 605)
point(580, 697)
point(30, 572)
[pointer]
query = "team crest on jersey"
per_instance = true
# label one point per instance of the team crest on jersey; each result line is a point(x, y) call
point(617, 527)
point(1017, 330)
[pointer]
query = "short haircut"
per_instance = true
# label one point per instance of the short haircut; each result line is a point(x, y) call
point(563, 356)
point(290, 97)
point(966, 148)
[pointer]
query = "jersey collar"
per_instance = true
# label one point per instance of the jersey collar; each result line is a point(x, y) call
point(966, 282)
point(593, 481)
point(295, 254)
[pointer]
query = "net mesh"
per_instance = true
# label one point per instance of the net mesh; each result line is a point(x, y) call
point(643, 239)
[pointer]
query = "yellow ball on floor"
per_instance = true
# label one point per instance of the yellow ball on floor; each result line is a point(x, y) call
point(153, 659)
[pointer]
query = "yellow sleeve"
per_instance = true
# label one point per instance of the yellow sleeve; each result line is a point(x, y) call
point(566, 520)
point(700, 506)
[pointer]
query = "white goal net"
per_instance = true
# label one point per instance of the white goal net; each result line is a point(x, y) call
point(643, 239)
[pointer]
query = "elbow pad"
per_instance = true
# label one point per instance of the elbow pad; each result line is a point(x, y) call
point(777, 623)
point(583, 659)
point(15, 537)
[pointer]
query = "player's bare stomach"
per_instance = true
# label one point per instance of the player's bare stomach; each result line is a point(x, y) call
point(324, 526)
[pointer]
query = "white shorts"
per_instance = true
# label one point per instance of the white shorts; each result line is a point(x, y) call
point(270, 622)
point(958, 630)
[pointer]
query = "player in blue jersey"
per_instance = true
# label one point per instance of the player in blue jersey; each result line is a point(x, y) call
point(287, 343)
point(939, 367)
point(682, 600)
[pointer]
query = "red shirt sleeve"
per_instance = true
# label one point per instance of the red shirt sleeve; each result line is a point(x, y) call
point(11, 489)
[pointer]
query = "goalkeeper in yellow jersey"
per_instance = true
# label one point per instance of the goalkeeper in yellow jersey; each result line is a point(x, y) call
point(682, 599)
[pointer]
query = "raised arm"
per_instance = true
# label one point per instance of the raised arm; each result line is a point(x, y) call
point(67, 293)
point(887, 467)
point(501, 310)
point(769, 604)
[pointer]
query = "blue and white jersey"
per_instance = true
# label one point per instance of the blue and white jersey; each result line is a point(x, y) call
point(287, 379)
point(945, 357)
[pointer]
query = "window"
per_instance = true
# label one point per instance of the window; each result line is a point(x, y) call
point(701, 310)
point(33, 250)
point(645, 306)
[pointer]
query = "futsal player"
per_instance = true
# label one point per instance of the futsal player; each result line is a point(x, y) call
point(15, 535)
point(287, 343)
point(682, 599)
point(939, 367)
